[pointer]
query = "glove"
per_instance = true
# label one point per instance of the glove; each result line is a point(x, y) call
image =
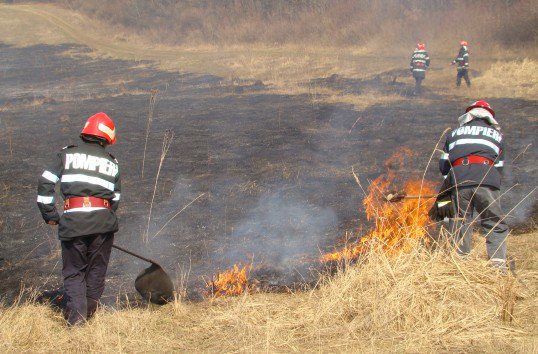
point(442, 208)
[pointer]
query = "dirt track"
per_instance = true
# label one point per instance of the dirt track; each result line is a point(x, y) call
point(77, 35)
point(275, 168)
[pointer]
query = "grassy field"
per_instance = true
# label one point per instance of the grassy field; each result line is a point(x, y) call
point(427, 301)
point(422, 301)
point(286, 69)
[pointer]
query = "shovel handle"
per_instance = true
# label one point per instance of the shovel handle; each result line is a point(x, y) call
point(419, 196)
point(134, 254)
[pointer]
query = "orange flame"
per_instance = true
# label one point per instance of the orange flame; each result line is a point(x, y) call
point(230, 283)
point(396, 225)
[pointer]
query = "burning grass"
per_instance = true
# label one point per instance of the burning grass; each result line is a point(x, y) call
point(397, 226)
point(399, 295)
point(231, 282)
point(421, 300)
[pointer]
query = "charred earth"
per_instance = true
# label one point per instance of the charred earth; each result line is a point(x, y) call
point(275, 169)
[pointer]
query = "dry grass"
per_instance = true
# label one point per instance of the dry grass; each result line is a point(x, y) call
point(152, 100)
point(286, 69)
point(168, 138)
point(500, 79)
point(509, 79)
point(324, 95)
point(423, 301)
point(383, 25)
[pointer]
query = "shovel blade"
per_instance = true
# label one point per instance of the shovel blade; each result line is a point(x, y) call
point(154, 285)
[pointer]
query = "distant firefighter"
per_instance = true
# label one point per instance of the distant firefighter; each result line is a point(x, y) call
point(462, 60)
point(90, 186)
point(420, 62)
point(472, 163)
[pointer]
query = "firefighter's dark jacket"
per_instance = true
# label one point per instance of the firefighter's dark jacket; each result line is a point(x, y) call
point(84, 170)
point(474, 138)
point(420, 62)
point(462, 60)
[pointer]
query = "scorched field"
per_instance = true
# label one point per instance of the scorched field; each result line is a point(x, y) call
point(252, 183)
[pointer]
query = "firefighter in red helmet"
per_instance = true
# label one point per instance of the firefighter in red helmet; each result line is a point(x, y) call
point(462, 62)
point(472, 163)
point(89, 180)
point(420, 62)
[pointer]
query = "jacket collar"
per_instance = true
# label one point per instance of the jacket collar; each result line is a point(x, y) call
point(479, 113)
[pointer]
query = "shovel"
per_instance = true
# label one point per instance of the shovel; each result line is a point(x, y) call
point(395, 197)
point(152, 283)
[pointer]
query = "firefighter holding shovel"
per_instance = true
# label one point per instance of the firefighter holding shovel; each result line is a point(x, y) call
point(472, 164)
point(89, 180)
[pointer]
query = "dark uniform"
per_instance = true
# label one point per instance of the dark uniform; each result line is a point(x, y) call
point(86, 230)
point(462, 61)
point(473, 160)
point(420, 61)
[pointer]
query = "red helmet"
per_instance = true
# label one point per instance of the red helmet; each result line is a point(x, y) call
point(102, 126)
point(481, 104)
point(421, 46)
point(463, 44)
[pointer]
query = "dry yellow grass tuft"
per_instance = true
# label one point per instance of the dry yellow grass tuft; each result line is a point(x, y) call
point(423, 301)
point(510, 79)
point(500, 79)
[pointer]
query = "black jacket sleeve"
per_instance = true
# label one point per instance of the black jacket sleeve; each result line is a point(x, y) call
point(115, 202)
point(45, 190)
point(499, 163)
point(444, 161)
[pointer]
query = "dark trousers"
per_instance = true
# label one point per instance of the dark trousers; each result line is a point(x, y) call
point(418, 85)
point(85, 260)
point(485, 201)
point(463, 73)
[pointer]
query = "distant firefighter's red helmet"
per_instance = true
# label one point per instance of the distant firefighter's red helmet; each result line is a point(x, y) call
point(463, 44)
point(481, 104)
point(421, 46)
point(102, 126)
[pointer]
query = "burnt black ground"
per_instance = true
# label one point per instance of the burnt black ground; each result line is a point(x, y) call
point(276, 169)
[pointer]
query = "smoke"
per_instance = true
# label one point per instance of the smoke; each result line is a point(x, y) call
point(281, 230)
point(276, 233)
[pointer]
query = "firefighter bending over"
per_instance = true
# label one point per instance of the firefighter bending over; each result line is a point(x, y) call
point(462, 62)
point(420, 62)
point(90, 185)
point(473, 161)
